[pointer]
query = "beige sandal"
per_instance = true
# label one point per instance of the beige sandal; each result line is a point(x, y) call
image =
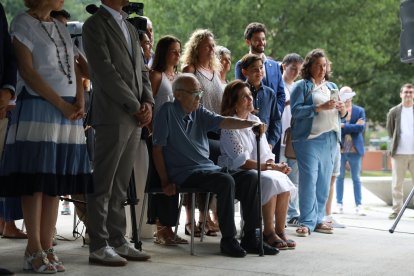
point(323, 228)
point(302, 231)
point(163, 237)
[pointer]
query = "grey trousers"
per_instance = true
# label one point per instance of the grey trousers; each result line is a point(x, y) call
point(115, 148)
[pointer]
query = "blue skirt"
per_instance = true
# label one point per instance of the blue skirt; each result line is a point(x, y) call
point(44, 151)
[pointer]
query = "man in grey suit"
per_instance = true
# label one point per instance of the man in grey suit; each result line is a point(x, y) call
point(121, 106)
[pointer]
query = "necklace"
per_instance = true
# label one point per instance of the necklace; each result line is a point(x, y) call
point(170, 76)
point(206, 69)
point(62, 68)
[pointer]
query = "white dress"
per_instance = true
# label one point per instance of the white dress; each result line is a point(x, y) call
point(239, 145)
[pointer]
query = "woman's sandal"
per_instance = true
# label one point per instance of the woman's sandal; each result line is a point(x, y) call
point(302, 231)
point(38, 262)
point(290, 243)
point(54, 260)
point(324, 228)
point(162, 237)
point(197, 232)
point(276, 243)
point(180, 240)
point(207, 230)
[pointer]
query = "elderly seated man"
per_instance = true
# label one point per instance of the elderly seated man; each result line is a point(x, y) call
point(181, 153)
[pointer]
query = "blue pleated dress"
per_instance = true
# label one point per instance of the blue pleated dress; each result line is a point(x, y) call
point(44, 151)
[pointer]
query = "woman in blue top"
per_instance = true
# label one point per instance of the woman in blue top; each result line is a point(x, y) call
point(316, 113)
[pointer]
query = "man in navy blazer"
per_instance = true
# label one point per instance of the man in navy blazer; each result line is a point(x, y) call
point(352, 149)
point(255, 37)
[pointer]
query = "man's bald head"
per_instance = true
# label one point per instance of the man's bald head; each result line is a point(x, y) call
point(185, 81)
point(186, 89)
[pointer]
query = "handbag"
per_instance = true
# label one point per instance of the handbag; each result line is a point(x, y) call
point(287, 140)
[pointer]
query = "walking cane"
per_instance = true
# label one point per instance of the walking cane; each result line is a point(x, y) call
point(258, 130)
point(407, 201)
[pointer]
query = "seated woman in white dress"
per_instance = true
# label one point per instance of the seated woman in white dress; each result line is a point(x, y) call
point(239, 151)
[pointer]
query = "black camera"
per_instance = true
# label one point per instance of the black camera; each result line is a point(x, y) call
point(139, 22)
point(133, 7)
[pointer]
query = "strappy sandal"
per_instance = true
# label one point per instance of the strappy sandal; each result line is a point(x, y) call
point(207, 230)
point(162, 237)
point(213, 226)
point(44, 267)
point(302, 231)
point(54, 260)
point(277, 243)
point(180, 240)
point(290, 243)
point(167, 241)
point(323, 228)
point(187, 231)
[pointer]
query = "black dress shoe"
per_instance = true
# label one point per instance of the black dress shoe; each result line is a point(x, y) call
point(231, 247)
point(252, 247)
point(4, 271)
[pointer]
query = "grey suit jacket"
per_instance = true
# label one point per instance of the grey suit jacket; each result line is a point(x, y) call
point(120, 81)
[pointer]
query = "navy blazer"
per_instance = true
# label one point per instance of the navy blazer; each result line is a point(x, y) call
point(273, 80)
point(355, 130)
point(8, 67)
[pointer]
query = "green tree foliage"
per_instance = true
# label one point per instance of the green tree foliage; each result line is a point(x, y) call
point(360, 37)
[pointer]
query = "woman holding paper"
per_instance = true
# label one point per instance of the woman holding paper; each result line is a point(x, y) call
point(316, 113)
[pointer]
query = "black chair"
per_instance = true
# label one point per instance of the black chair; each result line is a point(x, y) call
point(153, 186)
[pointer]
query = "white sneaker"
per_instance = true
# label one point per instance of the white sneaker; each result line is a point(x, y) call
point(339, 209)
point(106, 256)
point(333, 222)
point(359, 211)
point(130, 253)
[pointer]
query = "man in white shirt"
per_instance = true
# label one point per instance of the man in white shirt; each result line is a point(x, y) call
point(400, 127)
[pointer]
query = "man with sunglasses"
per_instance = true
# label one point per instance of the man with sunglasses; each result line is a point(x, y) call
point(181, 152)
point(400, 127)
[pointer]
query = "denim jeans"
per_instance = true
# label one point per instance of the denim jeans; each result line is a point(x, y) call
point(315, 159)
point(293, 210)
point(355, 162)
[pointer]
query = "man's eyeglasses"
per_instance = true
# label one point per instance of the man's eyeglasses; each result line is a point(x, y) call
point(195, 94)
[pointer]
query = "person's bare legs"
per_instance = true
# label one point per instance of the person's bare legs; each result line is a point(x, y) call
point(40, 215)
point(32, 213)
point(282, 205)
point(280, 211)
point(2, 222)
point(10, 230)
point(328, 207)
point(268, 211)
point(50, 206)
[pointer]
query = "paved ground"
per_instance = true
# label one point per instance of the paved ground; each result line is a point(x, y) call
point(365, 247)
